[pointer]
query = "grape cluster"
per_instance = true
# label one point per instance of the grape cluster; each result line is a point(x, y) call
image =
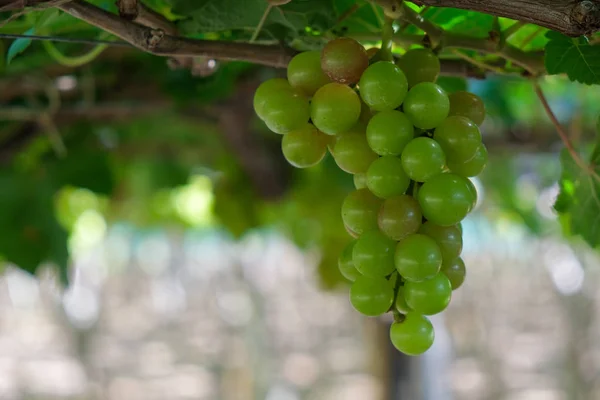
point(411, 147)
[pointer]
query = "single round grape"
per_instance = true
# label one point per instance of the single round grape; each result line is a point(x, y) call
point(335, 108)
point(383, 86)
point(352, 152)
point(448, 238)
point(304, 147)
point(388, 132)
point(455, 271)
point(346, 265)
point(359, 211)
point(284, 110)
point(429, 297)
point(459, 138)
point(371, 296)
point(344, 60)
point(422, 159)
point(400, 302)
point(472, 167)
point(399, 217)
point(304, 72)
point(445, 199)
point(414, 335)
point(419, 65)
point(426, 105)
point(386, 177)
point(373, 254)
point(418, 257)
point(468, 105)
point(265, 91)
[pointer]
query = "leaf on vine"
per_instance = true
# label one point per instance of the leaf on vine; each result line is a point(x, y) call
point(18, 46)
point(574, 56)
point(227, 15)
point(578, 202)
point(472, 23)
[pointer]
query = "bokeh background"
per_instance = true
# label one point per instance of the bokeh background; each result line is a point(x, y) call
point(202, 266)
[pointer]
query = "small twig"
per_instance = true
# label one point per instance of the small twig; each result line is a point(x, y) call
point(434, 32)
point(262, 21)
point(478, 63)
point(563, 135)
point(511, 30)
point(531, 36)
point(347, 13)
point(377, 15)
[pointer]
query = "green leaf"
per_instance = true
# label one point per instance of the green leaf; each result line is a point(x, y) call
point(578, 202)
point(18, 46)
point(29, 231)
point(227, 15)
point(472, 23)
point(573, 56)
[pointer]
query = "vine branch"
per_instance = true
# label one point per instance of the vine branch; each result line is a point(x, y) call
point(572, 18)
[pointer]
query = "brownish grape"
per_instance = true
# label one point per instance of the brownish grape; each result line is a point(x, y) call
point(344, 60)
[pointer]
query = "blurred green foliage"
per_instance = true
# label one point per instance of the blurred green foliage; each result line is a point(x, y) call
point(178, 164)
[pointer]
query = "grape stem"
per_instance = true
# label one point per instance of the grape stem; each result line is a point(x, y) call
point(387, 39)
point(563, 135)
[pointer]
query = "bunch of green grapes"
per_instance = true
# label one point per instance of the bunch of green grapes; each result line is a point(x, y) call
point(411, 148)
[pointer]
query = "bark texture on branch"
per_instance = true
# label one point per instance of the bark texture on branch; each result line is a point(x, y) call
point(571, 17)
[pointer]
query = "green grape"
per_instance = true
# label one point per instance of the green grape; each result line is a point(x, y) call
point(388, 132)
point(386, 177)
point(426, 105)
point(429, 297)
point(383, 86)
point(400, 302)
point(304, 72)
point(472, 167)
point(448, 238)
point(345, 263)
point(418, 257)
point(284, 110)
point(468, 105)
point(335, 108)
point(419, 65)
point(304, 147)
point(422, 159)
point(359, 211)
point(445, 199)
point(352, 152)
point(373, 254)
point(459, 227)
point(459, 138)
point(344, 60)
point(455, 271)
point(414, 335)
point(371, 296)
point(399, 217)
point(265, 91)
point(360, 181)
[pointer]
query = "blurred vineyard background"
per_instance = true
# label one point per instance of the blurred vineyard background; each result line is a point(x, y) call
point(202, 266)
